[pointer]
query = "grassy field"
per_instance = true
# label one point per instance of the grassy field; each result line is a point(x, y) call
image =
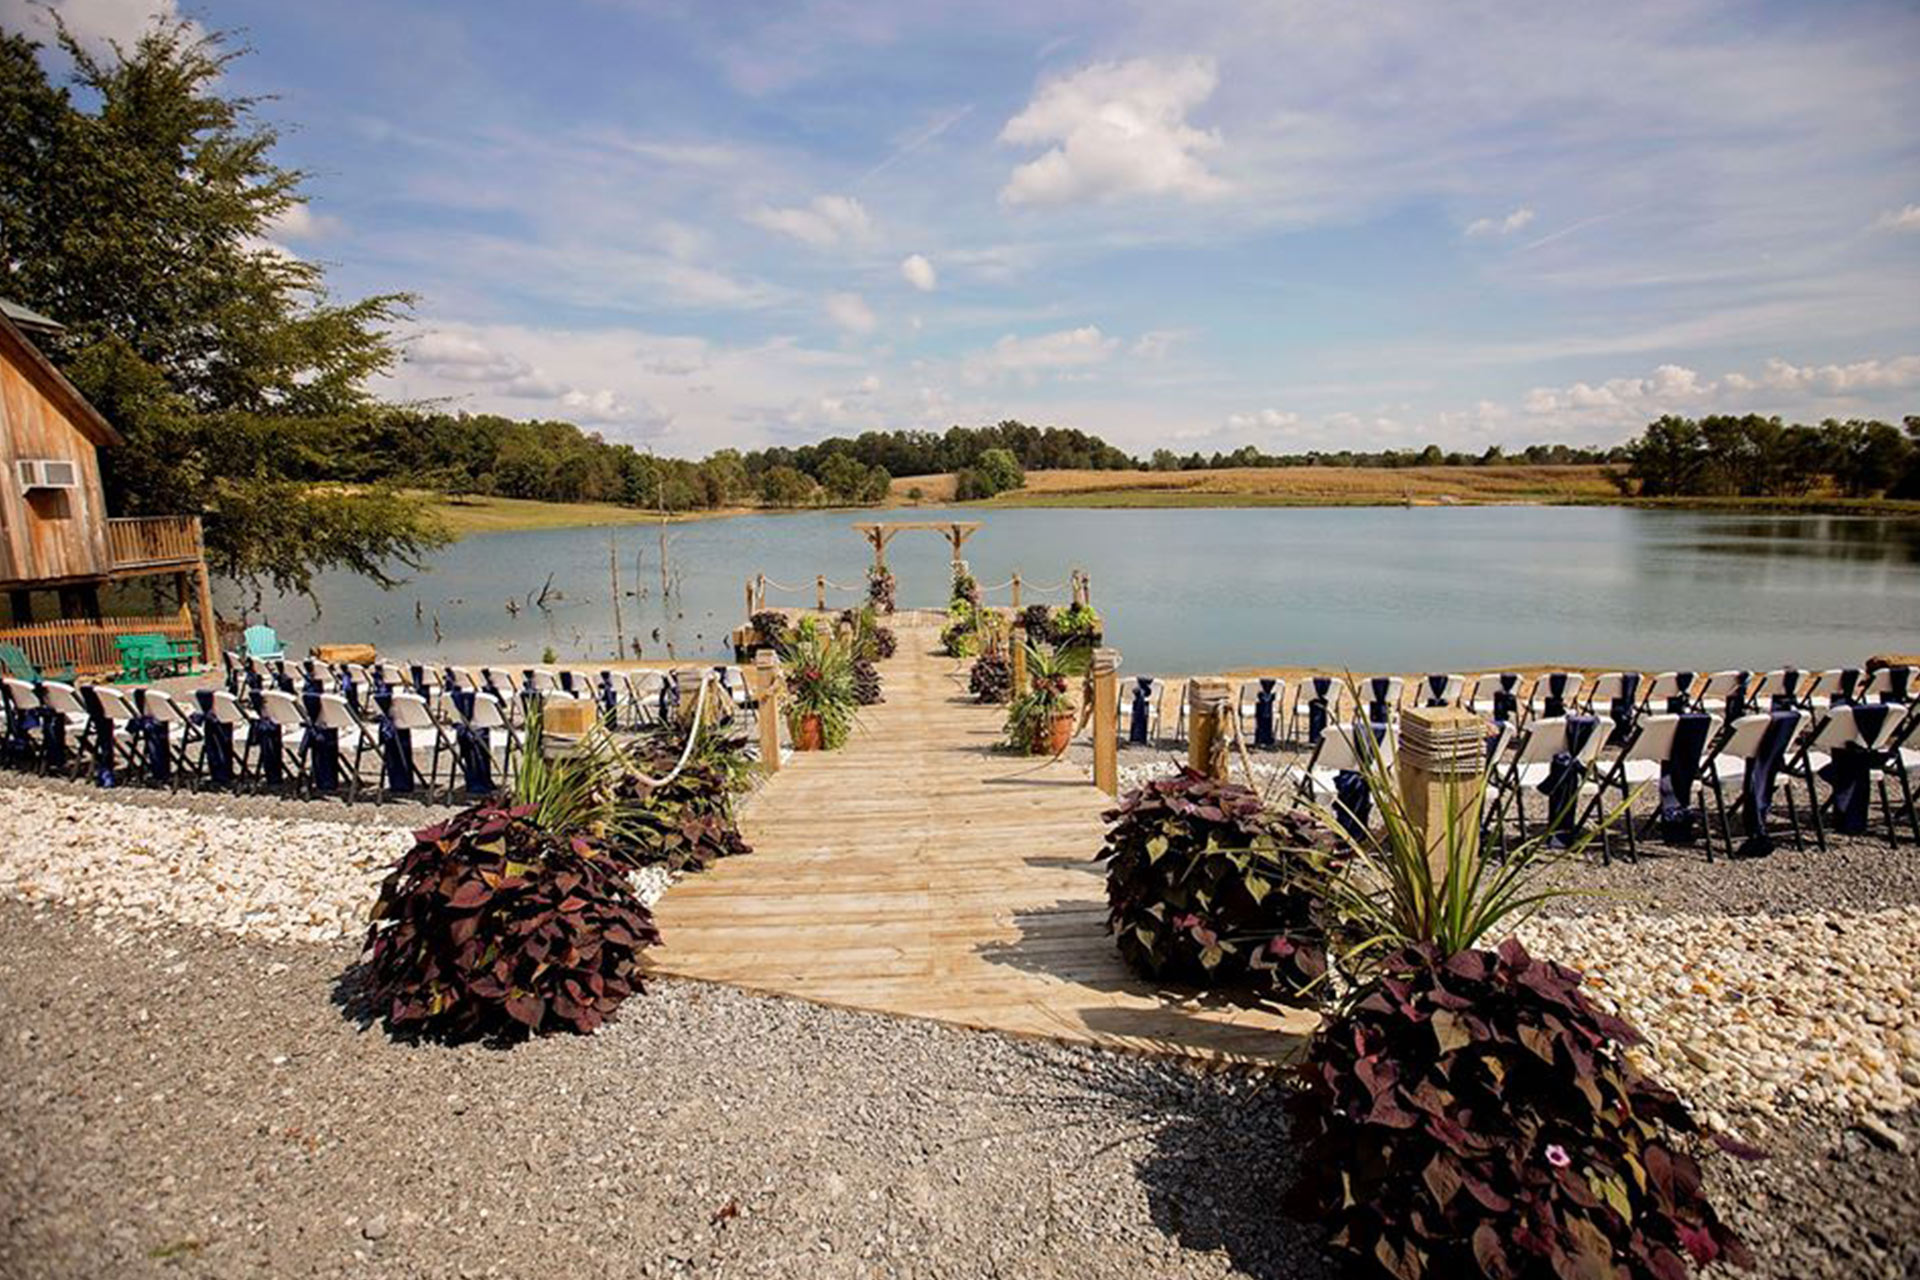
point(467, 515)
point(1287, 486)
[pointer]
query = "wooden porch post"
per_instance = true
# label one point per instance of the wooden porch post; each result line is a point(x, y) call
point(209, 626)
point(1017, 654)
point(1106, 714)
point(766, 668)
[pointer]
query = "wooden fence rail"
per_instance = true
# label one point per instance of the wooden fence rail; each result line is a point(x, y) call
point(88, 643)
point(134, 541)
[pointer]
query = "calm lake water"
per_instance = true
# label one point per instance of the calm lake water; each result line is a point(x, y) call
point(1378, 588)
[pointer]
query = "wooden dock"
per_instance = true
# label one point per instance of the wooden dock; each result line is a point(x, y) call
point(919, 872)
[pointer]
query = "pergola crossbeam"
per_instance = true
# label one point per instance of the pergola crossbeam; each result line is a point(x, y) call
point(956, 532)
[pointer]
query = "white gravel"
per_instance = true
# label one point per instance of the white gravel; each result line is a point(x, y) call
point(1764, 1013)
point(279, 879)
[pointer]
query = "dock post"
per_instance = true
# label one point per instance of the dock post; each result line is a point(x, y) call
point(1016, 591)
point(820, 593)
point(1208, 734)
point(766, 669)
point(1106, 716)
point(1442, 763)
point(1017, 655)
point(749, 599)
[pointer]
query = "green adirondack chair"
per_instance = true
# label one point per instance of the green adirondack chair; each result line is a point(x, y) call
point(14, 661)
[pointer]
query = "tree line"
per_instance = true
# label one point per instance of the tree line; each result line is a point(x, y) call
point(1750, 456)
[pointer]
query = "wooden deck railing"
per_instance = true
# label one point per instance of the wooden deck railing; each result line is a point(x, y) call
point(88, 644)
point(136, 542)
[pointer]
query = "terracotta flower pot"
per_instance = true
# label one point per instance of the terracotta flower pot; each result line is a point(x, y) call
point(809, 736)
point(1052, 738)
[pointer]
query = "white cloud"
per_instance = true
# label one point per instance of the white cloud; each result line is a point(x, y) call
point(1155, 343)
point(918, 272)
point(464, 358)
point(1046, 352)
point(1500, 226)
point(851, 312)
point(94, 23)
point(1118, 129)
point(1907, 219)
point(1841, 379)
point(1669, 385)
point(1265, 420)
point(300, 222)
point(826, 223)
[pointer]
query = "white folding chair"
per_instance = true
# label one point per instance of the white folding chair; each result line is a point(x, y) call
point(1439, 690)
point(1484, 695)
point(1892, 684)
point(1738, 749)
point(1555, 694)
point(353, 737)
point(1839, 730)
point(289, 715)
point(1531, 764)
point(1669, 693)
point(1781, 689)
point(1328, 688)
point(1836, 687)
point(424, 736)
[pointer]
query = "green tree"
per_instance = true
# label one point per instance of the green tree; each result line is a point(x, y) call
point(785, 486)
point(138, 215)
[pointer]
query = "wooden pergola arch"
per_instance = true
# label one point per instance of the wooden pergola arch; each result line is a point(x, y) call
point(956, 533)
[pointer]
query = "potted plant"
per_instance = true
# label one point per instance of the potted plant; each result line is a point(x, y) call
point(1040, 720)
point(880, 588)
point(820, 689)
point(1077, 625)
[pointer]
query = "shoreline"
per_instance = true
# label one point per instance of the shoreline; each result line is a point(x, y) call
point(473, 517)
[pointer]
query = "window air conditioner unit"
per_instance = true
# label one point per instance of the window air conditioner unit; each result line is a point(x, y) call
point(48, 473)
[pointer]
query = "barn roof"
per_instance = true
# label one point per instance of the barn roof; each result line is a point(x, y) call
point(28, 320)
point(50, 381)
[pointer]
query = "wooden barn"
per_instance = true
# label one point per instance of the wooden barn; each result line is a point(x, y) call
point(58, 546)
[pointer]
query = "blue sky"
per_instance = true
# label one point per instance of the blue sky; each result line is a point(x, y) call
point(1293, 225)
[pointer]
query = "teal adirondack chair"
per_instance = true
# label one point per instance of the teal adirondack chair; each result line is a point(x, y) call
point(262, 642)
point(14, 661)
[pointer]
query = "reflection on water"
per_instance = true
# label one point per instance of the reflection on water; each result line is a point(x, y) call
point(1365, 588)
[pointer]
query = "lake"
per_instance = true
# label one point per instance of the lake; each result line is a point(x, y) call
point(1363, 588)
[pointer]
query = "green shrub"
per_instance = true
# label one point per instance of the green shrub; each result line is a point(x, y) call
point(1474, 1115)
point(689, 821)
point(1202, 886)
point(1075, 624)
point(819, 676)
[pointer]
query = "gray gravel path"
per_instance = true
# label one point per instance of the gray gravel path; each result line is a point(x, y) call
point(181, 1105)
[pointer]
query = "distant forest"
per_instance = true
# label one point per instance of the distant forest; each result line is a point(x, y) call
point(553, 461)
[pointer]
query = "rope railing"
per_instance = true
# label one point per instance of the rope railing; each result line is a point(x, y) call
point(693, 735)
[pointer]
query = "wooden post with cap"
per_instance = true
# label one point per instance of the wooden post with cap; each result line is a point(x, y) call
point(1208, 735)
point(1106, 720)
point(766, 670)
point(1442, 766)
point(1017, 655)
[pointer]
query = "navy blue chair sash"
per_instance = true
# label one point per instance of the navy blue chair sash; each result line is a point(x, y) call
point(323, 757)
point(396, 756)
point(476, 757)
point(1137, 720)
point(1678, 774)
point(1317, 709)
point(1555, 704)
point(1849, 691)
point(1756, 785)
point(1897, 680)
point(1789, 696)
point(218, 737)
point(1263, 735)
point(1850, 772)
point(1436, 691)
point(1677, 703)
point(609, 699)
point(267, 741)
point(1379, 688)
point(1506, 703)
point(1623, 709)
point(1565, 772)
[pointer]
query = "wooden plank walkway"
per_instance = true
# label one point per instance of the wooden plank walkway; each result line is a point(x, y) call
point(918, 872)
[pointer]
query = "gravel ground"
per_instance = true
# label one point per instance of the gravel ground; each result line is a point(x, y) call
point(185, 1104)
point(177, 1103)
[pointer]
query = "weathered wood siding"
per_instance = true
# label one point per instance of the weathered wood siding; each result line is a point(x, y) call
point(48, 535)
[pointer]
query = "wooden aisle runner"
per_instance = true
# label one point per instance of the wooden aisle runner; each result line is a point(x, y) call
point(918, 872)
